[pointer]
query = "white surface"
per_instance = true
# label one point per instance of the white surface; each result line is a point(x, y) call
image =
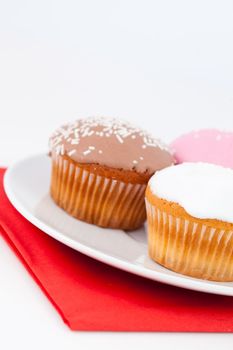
point(205, 191)
point(166, 65)
point(27, 186)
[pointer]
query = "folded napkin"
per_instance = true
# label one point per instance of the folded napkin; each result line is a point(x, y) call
point(90, 295)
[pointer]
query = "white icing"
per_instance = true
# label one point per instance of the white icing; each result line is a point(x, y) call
point(204, 190)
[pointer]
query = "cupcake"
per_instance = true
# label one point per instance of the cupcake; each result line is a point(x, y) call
point(190, 220)
point(100, 169)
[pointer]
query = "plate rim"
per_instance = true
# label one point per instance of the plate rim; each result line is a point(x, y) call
point(177, 280)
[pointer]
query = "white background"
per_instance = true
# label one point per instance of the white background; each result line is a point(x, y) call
point(165, 65)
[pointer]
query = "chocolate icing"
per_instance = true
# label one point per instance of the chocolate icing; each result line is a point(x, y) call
point(110, 142)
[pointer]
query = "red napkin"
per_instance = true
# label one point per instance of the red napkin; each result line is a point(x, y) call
point(90, 295)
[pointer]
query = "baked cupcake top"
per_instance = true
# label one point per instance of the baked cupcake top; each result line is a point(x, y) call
point(204, 190)
point(110, 142)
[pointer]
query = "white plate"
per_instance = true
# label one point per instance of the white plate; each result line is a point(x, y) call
point(27, 187)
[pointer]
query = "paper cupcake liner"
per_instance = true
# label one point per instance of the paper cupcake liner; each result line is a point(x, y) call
point(96, 199)
point(190, 248)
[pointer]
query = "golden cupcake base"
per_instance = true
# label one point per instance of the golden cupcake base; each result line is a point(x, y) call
point(97, 199)
point(194, 247)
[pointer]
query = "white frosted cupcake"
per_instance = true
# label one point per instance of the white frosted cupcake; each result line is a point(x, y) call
point(190, 220)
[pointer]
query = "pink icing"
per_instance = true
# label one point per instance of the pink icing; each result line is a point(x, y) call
point(210, 146)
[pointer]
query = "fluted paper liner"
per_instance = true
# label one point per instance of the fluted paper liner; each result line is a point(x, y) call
point(189, 248)
point(96, 199)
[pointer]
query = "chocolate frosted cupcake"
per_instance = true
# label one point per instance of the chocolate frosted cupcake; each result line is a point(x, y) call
point(100, 168)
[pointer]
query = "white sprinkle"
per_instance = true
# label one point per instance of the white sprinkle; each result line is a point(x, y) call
point(141, 158)
point(59, 149)
point(86, 152)
point(100, 151)
point(119, 139)
point(62, 150)
point(218, 137)
point(135, 162)
point(71, 152)
point(75, 142)
point(126, 134)
point(56, 141)
point(74, 132)
point(85, 133)
point(91, 147)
